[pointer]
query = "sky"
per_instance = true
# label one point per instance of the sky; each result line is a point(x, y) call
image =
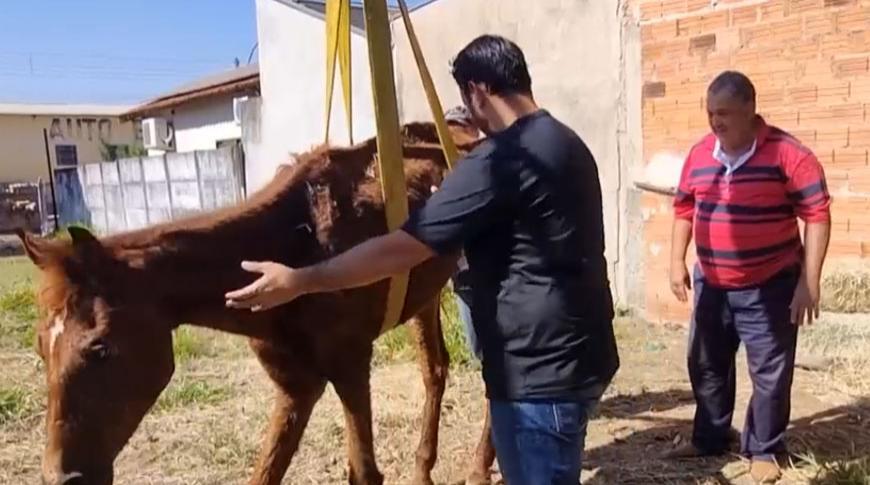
point(118, 51)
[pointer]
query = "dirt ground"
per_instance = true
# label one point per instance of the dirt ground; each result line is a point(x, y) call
point(209, 423)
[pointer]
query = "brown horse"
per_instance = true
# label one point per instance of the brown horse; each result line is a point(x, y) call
point(110, 306)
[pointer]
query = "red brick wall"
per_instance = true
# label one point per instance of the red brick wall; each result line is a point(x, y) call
point(810, 62)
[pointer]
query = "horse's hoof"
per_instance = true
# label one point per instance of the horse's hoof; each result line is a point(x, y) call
point(478, 478)
point(422, 479)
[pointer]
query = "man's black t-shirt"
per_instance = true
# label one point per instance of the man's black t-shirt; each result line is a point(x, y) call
point(526, 207)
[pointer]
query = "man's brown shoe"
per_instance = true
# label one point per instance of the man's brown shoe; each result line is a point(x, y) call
point(764, 472)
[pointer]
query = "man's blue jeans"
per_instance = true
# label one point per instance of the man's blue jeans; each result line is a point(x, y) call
point(540, 443)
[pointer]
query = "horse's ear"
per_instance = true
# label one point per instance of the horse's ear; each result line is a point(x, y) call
point(81, 237)
point(40, 251)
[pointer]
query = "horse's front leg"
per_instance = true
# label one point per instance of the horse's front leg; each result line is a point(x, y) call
point(298, 390)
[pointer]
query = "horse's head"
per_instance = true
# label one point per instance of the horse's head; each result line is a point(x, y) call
point(107, 354)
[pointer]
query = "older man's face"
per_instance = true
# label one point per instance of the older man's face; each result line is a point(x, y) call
point(731, 119)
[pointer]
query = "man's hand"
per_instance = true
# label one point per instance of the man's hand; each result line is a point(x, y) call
point(805, 303)
point(277, 285)
point(372, 261)
point(680, 281)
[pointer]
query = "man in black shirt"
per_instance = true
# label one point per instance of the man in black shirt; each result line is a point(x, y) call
point(526, 207)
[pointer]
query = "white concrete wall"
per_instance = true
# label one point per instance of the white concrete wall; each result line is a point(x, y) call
point(582, 62)
point(200, 125)
point(292, 57)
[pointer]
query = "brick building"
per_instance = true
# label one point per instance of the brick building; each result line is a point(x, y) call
point(810, 62)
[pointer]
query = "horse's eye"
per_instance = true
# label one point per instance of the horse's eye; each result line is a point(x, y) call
point(98, 350)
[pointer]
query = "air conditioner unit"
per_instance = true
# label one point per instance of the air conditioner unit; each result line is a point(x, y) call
point(157, 134)
point(237, 109)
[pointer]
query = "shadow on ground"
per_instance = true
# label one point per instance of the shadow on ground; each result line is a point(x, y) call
point(831, 447)
point(631, 405)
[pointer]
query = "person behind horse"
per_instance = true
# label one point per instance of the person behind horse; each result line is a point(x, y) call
point(525, 206)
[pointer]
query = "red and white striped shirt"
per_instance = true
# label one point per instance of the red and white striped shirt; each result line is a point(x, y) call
point(745, 222)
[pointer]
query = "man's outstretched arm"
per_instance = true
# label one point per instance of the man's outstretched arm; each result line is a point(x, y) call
point(465, 204)
point(372, 261)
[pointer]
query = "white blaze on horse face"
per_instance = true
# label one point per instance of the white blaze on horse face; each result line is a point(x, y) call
point(54, 332)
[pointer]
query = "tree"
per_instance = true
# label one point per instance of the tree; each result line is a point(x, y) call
point(110, 152)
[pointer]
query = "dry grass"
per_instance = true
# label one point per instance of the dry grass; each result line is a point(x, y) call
point(844, 341)
point(846, 289)
point(811, 470)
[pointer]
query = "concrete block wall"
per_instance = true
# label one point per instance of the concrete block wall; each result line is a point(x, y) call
point(810, 62)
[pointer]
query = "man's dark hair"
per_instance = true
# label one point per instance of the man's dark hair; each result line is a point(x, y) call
point(495, 62)
point(736, 84)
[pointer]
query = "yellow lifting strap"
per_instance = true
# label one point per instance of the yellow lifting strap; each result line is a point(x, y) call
point(389, 158)
point(338, 46)
point(451, 154)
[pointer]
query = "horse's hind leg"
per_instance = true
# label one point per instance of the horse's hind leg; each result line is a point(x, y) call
point(297, 392)
point(480, 470)
point(434, 361)
point(353, 388)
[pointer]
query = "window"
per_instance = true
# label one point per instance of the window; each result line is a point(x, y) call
point(66, 155)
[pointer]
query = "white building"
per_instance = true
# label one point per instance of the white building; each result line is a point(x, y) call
point(290, 115)
point(201, 115)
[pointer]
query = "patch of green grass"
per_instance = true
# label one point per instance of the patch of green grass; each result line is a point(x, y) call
point(393, 346)
point(18, 314)
point(396, 345)
point(19, 302)
point(15, 271)
point(15, 404)
point(189, 392)
point(454, 333)
point(189, 344)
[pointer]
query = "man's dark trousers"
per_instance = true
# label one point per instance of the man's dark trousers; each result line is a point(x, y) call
point(758, 316)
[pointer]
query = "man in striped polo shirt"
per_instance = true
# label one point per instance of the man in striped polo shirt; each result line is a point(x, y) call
point(741, 190)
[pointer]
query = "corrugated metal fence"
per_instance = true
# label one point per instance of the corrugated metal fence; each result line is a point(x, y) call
point(136, 192)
